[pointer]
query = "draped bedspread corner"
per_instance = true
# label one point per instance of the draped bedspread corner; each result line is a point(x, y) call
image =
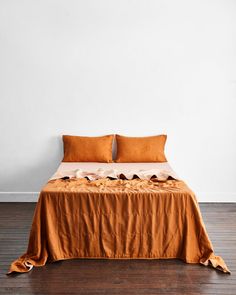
point(37, 253)
point(216, 262)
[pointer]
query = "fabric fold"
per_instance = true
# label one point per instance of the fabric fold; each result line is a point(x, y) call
point(216, 262)
point(160, 174)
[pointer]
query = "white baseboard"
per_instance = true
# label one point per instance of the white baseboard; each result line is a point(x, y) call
point(19, 196)
point(202, 197)
point(215, 197)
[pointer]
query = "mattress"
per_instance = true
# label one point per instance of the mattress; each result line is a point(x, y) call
point(105, 218)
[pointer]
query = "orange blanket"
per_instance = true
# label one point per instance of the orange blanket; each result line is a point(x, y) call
point(123, 219)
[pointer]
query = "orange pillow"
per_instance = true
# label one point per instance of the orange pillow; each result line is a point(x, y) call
point(87, 149)
point(141, 149)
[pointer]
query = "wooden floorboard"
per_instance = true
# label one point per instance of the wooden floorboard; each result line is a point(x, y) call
point(117, 276)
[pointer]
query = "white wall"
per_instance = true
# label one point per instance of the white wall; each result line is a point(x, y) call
point(129, 67)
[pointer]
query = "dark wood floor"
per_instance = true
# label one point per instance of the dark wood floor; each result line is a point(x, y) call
point(117, 276)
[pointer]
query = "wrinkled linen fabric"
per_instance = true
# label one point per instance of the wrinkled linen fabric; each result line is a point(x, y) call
point(101, 173)
point(117, 219)
point(68, 169)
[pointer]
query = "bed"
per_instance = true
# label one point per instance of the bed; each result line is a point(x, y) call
point(117, 211)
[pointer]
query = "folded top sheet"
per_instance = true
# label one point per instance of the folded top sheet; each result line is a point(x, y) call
point(94, 171)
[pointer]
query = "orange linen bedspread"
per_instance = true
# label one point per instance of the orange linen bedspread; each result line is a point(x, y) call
point(125, 219)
